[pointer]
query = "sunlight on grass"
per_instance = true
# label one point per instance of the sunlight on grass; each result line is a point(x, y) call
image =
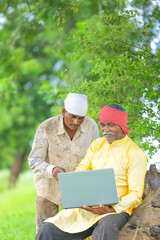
point(17, 212)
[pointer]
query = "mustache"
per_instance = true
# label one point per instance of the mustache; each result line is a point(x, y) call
point(108, 133)
point(72, 124)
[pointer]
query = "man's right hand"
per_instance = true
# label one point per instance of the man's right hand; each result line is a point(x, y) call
point(57, 170)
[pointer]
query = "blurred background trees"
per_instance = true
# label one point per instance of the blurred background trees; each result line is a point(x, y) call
point(108, 50)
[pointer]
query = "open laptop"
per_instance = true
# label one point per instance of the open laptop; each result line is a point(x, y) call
point(89, 188)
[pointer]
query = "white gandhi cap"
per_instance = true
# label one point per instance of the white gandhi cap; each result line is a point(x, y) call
point(76, 103)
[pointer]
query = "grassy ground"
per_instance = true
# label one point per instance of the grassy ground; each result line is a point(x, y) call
point(17, 208)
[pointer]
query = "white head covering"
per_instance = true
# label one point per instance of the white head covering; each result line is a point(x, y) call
point(76, 103)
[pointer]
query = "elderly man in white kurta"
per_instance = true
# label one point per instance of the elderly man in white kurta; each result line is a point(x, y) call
point(115, 150)
point(59, 145)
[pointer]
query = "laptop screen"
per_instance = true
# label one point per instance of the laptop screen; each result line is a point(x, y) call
point(89, 188)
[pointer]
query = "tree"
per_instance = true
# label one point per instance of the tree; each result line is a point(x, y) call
point(49, 48)
point(144, 223)
point(24, 69)
point(122, 70)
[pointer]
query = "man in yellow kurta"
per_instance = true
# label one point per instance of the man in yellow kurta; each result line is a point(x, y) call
point(115, 150)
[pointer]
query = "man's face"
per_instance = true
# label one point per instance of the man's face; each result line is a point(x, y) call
point(112, 131)
point(71, 121)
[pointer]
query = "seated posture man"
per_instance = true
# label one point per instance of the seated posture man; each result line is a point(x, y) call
point(115, 150)
point(59, 145)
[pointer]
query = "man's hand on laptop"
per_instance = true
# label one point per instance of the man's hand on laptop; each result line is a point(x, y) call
point(102, 209)
point(57, 170)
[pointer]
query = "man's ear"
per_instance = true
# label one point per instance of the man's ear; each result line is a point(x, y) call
point(63, 111)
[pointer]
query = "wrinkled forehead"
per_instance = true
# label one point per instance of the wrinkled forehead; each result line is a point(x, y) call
point(74, 115)
point(109, 124)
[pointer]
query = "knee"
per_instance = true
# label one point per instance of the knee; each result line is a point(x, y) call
point(107, 226)
point(105, 230)
point(46, 232)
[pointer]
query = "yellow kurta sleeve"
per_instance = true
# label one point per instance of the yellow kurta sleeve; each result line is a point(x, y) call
point(137, 164)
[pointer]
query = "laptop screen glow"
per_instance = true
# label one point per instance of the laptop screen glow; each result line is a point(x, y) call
point(89, 188)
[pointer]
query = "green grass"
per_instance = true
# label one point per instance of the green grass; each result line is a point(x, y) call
point(4, 176)
point(17, 208)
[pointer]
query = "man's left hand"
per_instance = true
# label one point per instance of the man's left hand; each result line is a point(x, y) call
point(102, 209)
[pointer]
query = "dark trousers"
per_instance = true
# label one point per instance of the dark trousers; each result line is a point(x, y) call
point(107, 228)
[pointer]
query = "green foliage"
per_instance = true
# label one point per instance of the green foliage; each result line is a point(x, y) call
point(23, 69)
point(49, 48)
point(121, 71)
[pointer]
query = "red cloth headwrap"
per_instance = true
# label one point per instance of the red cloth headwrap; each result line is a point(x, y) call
point(108, 114)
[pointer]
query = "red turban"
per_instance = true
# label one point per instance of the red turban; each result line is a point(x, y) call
point(108, 114)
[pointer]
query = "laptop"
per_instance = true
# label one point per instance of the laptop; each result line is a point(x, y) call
point(89, 188)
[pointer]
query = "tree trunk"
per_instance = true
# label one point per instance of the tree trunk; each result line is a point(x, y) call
point(16, 168)
point(145, 221)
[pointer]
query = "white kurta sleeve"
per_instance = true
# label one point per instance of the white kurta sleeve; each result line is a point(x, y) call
point(38, 154)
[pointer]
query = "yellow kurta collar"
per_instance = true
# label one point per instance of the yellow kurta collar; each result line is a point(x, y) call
point(116, 142)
